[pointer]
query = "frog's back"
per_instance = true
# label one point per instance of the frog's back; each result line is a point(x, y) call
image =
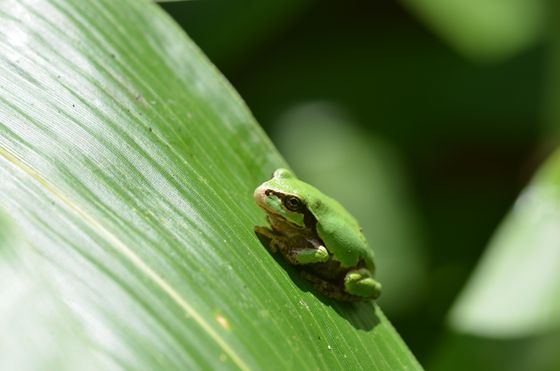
point(341, 233)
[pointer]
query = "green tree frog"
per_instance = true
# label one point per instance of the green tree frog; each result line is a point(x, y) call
point(315, 233)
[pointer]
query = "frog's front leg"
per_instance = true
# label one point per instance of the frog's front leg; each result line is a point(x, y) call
point(295, 251)
point(304, 251)
point(307, 255)
point(267, 237)
point(359, 282)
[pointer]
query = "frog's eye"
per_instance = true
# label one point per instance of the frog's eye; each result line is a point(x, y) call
point(293, 203)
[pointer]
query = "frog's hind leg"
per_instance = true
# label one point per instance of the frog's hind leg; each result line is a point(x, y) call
point(328, 289)
point(359, 282)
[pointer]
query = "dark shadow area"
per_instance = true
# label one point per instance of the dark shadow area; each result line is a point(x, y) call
point(361, 315)
point(536, 353)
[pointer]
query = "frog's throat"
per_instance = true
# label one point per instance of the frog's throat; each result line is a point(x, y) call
point(276, 219)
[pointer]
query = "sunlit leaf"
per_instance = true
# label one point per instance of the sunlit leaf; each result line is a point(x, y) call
point(127, 165)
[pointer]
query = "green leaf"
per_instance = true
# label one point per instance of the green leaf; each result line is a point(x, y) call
point(485, 30)
point(515, 290)
point(127, 165)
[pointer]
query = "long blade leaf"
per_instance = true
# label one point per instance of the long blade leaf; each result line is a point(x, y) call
point(127, 165)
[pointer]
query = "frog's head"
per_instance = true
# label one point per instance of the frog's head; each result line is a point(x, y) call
point(281, 196)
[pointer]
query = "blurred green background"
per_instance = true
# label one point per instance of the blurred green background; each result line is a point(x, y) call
point(426, 118)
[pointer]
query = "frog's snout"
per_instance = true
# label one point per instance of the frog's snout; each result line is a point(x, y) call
point(260, 196)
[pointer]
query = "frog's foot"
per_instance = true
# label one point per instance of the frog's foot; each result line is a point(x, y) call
point(328, 289)
point(267, 237)
point(359, 282)
point(307, 255)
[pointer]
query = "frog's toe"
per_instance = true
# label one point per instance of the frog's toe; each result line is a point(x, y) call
point(360, 283)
